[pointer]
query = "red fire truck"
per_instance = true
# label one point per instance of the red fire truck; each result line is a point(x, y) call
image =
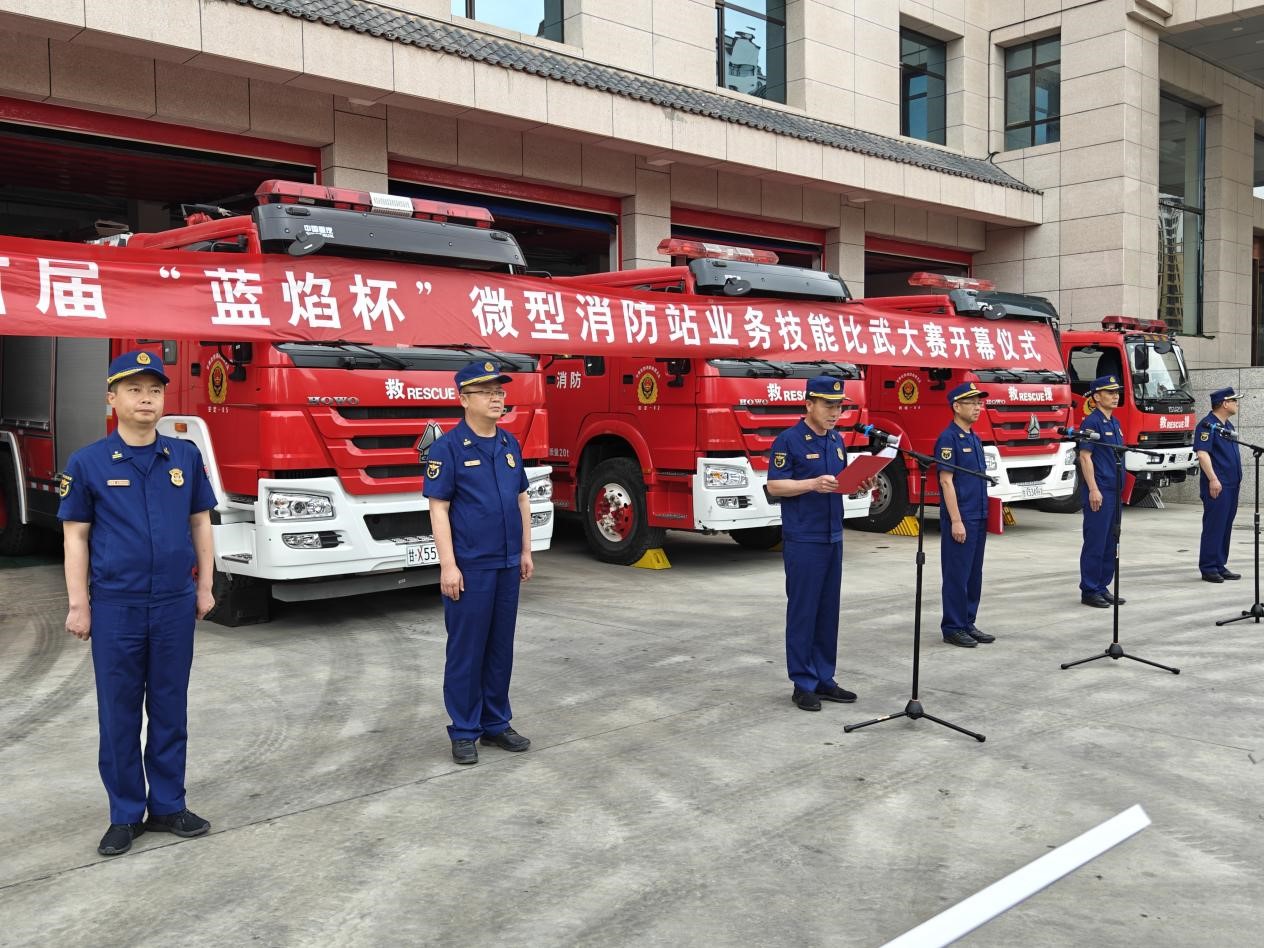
point(1024, 406)
point(640, 445)
point(1156, 407)
point(314, 448)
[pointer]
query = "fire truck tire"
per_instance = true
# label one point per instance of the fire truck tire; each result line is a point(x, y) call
point(16, 538)
point(757, 538)
point(890, 502)
point(240, 600)
point(615, 521)
point(1065, 505)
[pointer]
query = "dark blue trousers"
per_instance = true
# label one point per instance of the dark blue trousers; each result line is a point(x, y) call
point(814, 576)
point(961, 567)
point(1218, 514)
point(1097, 555)
point(480, 652)
point(141, 656)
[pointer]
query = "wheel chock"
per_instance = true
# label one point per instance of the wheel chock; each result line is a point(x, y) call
point(905, 528)
point(653, 559)
point(1007, 515)
point(776, 549)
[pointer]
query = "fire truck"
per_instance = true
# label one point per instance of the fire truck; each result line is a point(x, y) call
point(643, 445)
point(315, 450)
point(1156, 407)
point(1024, 407)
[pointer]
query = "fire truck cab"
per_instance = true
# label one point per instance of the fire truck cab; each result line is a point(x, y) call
point(315, 450)
point(1156, 409)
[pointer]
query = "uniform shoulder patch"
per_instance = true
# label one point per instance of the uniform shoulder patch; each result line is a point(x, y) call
point(945, 454)
point(1205, 436)
point(63, 485)
point(433, 469)
point(779, 459)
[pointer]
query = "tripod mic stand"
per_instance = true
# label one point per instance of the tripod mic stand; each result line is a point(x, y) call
point(913, 710)
point(1256, 611)
point(1115, 650)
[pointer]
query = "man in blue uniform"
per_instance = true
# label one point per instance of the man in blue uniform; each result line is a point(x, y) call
point(802, 472)
point(477, 487)
point(1220, 478)
point(963, 519)
point(135, 512)
point(1100, 494)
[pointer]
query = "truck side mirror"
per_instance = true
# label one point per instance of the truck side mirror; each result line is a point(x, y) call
point(678, 369)
point(1141, 358)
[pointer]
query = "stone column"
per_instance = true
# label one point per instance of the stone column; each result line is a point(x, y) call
point(356, 158)
point(646, 217)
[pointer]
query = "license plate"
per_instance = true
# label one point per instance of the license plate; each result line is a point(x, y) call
point(421, 554)
point(1032, 490)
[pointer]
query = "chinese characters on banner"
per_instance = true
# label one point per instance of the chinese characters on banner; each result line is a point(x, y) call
point(62, 289)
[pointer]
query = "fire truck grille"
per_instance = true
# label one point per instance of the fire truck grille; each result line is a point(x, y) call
point(395, 526)
point(1028, 475)
point(790, 411)
point(407, 411)
point(384, 442)
point(1168, 439)
point(1027, 408)
point(381, 471)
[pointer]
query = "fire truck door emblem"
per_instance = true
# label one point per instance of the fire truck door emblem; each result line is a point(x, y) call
point(647, 388)
point(908, 391)
point(217, 380)
point(426, 441)
point(177, 477)
point(1033, 428)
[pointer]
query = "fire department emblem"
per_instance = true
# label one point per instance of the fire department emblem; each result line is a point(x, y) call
point(908, 390)
point(177, 477)
point(433, 468)
point(217, 381)
point(779, 459)
point(63, 486)
point(142, 358)
point(647, 388)
point(509, 458)
point(945, 454)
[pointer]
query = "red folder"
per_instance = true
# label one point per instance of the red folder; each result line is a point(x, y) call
point(996, 515)
point(859, 470)
point(1125, 495)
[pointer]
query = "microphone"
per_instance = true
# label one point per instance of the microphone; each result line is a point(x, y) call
point(875, 435)
point(1080, 434)
point(1227, 433)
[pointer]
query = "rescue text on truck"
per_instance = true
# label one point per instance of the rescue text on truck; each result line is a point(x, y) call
point(315, 449)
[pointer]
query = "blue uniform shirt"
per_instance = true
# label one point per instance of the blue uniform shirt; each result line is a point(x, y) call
point(964, 449)
point(482, 478)
point(1226, 457)
point(1103, 458)
point(799, 453)
point(139, 501)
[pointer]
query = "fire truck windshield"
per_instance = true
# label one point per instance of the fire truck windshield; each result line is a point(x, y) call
point(1164, 379)
point(766, 369)
point(348, 355)
point(1027, 376)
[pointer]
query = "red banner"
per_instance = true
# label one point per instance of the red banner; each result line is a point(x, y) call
point(61, 289)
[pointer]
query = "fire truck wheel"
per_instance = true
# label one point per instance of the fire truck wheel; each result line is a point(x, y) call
point(757, 538)
point(240, 600)
point(16, 538)
point(615, 521)
point(890, 502)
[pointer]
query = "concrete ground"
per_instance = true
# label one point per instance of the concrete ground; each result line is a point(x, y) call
point(672, 795)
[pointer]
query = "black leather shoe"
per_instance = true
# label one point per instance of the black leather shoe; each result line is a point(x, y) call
point(1213, 578)
point(1110, 597)
point(1229, 574)
point(185, 823)
point(964, 639)
point(1094, 600)
point(979, 635)
point(806, 700)
point(835, 693)
point(508, 739)
point(118, 838)
point(464, 752)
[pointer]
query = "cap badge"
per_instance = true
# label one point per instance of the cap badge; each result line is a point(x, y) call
point(489, 367)
point(142, 358)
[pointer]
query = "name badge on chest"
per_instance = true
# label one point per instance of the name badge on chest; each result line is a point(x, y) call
point(811, 457)
point(474, 463)
point(123, 482)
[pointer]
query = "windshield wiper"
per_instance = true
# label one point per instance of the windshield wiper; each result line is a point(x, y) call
point(775, 369)
point(382, 357)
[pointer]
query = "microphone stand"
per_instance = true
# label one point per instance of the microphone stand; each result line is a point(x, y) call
point(1115, 650)
point(1256, 611)
point(913, 710)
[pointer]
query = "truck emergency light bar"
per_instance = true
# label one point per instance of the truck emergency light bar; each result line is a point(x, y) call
point(371, 202)
point(700, 250)
point(945, 282)
point(1132, 323)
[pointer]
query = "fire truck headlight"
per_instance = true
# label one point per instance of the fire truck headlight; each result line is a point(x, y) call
point(990, 461)
point(717, 476)
point(290, 505)
point(1069, 459)
point(539, 489)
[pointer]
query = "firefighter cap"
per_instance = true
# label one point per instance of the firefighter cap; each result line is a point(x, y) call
point(1223, 395)
point(965, 390)
point(133, 363)
point(1104, 383)
point(828, 387)
point(480, 372)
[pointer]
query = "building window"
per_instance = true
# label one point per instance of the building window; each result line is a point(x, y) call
point(1181, 145)
point(751, 47)
point(1033, 74)
point(1257, 181)
point(542, 18)
point(922, 93)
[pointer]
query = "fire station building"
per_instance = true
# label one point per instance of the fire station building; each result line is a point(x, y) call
point(1106, 154)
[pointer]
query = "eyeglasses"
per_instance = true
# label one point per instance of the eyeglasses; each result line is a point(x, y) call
point(498, 393)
